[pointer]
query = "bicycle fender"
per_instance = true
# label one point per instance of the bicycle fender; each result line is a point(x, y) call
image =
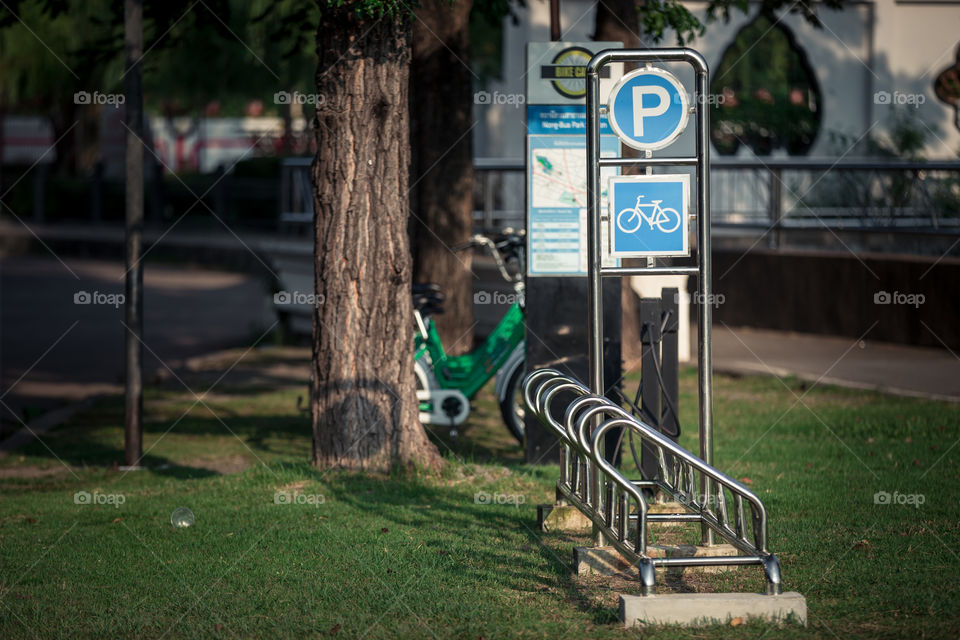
point(516, 358)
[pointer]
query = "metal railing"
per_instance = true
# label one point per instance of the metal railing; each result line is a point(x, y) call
point(891, 205)
point(617, 505)
point(498, 194)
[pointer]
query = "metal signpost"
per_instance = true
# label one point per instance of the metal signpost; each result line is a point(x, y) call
point(648, 109)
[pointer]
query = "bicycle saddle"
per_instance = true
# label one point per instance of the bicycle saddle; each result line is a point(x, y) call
point(425, 287)
point(427, 298)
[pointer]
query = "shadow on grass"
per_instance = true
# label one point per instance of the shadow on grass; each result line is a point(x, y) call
point(95, 438)
point(511, 547)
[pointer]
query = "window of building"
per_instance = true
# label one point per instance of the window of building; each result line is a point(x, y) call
point(766, 95)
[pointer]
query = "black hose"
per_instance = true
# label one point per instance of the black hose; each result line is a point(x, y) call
point(635, 408)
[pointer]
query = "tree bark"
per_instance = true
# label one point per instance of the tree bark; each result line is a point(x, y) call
point(363, 403)
point(441, 197)
point(618, 21)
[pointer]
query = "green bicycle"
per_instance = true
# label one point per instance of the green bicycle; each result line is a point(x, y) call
point(445, 383)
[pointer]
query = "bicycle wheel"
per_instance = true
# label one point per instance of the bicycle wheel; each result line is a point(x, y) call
point(634, 213)
point(665, 218)
point(512, 408)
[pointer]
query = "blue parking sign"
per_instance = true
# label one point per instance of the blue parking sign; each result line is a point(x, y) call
point(648, 108)
point(649, 216)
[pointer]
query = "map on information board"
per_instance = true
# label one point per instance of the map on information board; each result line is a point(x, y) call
point(557, 197)
point(559, 178)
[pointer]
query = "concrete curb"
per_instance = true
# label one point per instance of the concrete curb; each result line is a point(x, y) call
point(700, 609)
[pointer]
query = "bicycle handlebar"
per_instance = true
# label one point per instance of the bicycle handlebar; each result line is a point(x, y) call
point(502, 246)
point(508, 244)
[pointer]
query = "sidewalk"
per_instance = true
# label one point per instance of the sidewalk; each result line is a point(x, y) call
point(848, 362)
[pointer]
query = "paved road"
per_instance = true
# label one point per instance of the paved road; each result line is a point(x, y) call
point(54, 350)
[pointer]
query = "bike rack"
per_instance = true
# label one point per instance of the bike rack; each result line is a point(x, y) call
point(617, 506)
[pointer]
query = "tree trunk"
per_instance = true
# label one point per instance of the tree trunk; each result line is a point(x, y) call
point(441, 197)
point(363, 403)
point(618, 21)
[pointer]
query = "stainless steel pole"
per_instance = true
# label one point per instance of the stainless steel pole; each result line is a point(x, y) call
point(594, 291)
point(704, 325)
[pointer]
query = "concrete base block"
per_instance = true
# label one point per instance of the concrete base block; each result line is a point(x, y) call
point(659, 506)
point(697, 609)
point(698, 551)
point(566, 519)
point(606, 561)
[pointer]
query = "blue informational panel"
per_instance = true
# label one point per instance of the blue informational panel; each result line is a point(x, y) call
point(557, 154)
point(648, 108)
point(557, 195)
point(650, 216)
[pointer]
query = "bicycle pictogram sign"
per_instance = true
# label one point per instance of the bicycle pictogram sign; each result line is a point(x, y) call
point(649, 215)
point(666, 220)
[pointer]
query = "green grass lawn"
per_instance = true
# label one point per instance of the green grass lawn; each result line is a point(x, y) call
point(412, 556)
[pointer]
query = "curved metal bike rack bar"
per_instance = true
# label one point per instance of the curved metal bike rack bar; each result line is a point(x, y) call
point(617, 505)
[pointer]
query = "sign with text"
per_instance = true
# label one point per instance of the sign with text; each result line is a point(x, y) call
point(557, 154)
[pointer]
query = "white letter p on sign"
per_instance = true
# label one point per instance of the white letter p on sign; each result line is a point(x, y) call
point(639, 112)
